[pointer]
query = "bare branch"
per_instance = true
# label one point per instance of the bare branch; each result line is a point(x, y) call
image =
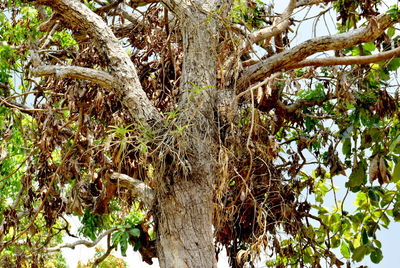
point(137, 187)
point(86, 243)
point(277, 27)
point(302, 3)
point(347, 60)
point(99, 77)
point(139, 3)
point(259, 71)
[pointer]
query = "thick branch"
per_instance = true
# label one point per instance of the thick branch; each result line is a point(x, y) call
point(137, 187)
point(99, 77)
point(130, 92)
point(347, 60)
point(298, 53)
point(82, 242)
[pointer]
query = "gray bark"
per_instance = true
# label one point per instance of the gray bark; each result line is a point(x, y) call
point(185, 237)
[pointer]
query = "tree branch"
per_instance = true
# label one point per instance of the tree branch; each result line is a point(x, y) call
point(107, 7)
point(302, 3)
point(99, 77)
point(129, 90)
point(291, 108)
point(86, 243)
point(277, 27)
point(137, 187)
point(346, 60)
point(105, 255)
point(260, 70)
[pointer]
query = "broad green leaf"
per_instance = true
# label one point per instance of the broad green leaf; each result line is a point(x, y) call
point(138, 245)
point(344, 249)
point(357, 177)
point(391, 31)
point(369, 46)
point(394, 64)
point(335, 242)
point(135, 232)
point(346, 149)
point(115, 237)
point(396, 172)
point(359, 253)
point(124, 243)
point(376, 255)
point(378, 243)
point(372, 195)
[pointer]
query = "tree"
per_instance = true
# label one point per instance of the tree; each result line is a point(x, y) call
point(180, 127)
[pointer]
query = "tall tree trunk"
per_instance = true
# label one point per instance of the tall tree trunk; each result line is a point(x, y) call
point(185, 209)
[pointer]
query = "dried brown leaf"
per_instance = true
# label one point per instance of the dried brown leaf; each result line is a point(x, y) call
point(382, 170)
point(374, 169)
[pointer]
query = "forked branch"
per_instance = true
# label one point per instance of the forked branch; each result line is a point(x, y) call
point(277, 27)
point(262, 69)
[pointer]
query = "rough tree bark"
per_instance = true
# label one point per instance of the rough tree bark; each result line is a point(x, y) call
point(185, 208)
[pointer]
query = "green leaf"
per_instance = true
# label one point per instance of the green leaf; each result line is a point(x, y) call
point(115, 237)
point(364, 237)
point(357, 177)
point(346, 149)
point(138, 245)
point(135, 232)
point(391, 31)
point(359, 253)
point(372, 195)
point(124, 243)
point(378, 243)
point(335, 242)
point(394, 64)
point(396, 172)
point(376, 255)
point(394, 143)
point(370, 46)
point(345, 250)
point(385, 219)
